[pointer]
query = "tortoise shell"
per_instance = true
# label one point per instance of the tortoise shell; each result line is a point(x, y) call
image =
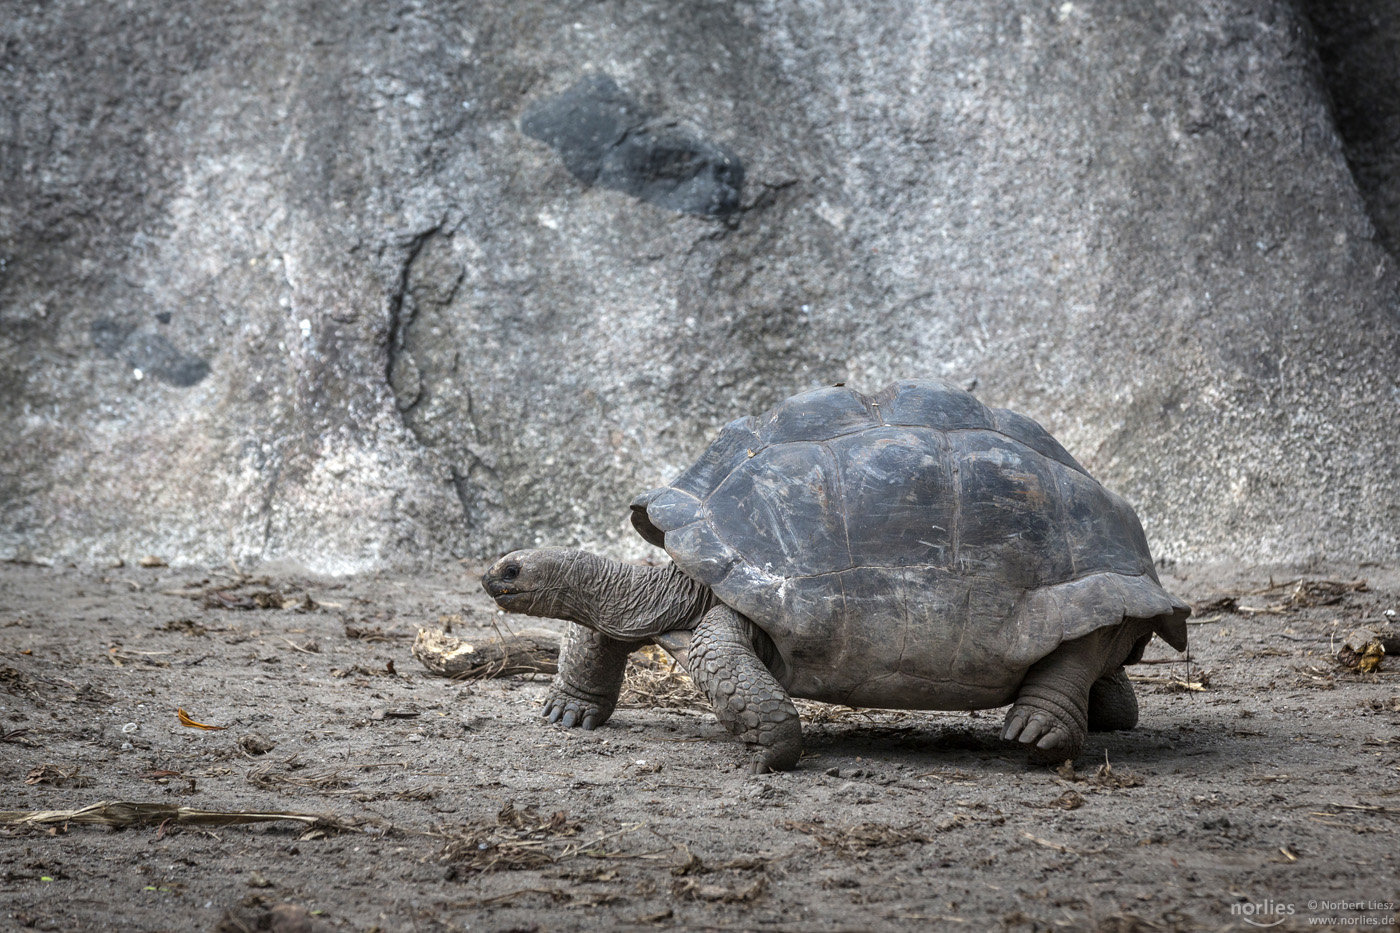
point(913, 548)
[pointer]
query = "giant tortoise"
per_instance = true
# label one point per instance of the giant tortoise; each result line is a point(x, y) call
point(911, 549)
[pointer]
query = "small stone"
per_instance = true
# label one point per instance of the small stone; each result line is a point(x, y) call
point(255, 744)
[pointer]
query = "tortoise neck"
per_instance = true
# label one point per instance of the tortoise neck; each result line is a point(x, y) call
point(631, 603)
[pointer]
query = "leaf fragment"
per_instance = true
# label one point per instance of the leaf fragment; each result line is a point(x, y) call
point(185, 720)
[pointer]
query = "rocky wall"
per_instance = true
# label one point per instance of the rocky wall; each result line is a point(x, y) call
point(386, 284)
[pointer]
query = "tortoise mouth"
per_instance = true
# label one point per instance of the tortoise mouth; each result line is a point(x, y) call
point(498, 588)
point(514, 601)
point(504, 594)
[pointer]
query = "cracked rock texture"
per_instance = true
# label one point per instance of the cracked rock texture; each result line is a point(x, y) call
point(384, 285)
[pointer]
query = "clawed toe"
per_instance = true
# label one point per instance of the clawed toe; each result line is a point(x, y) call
point(1040, 728)
point(1028, 726)
point(1015, 722)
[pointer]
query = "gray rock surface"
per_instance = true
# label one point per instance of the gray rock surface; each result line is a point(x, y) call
point(296, 282)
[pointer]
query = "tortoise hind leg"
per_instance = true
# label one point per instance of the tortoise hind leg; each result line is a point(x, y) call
point(585, 690)
point(1112, 703)
point(747, 699)
point(1051, 712)
point(1079, 683)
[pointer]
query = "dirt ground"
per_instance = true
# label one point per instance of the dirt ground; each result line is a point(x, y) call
point(1262, 785)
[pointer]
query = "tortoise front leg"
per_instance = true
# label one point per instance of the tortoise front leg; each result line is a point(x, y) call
point(747, 698)
point(585, 690)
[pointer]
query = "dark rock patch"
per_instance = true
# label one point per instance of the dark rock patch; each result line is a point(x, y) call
point(604, 137)
point(153, 354)
point(1358, 46)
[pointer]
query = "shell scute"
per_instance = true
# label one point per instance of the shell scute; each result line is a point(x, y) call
point(1023, 429)
point(736, 443)
point(816, 416)
point(933, 405)
point(899, 496)
point(784, 511)
point(1010, 525)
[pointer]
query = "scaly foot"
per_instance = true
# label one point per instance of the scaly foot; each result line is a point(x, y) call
point(585, 690)
point(1051, 723)
point(747, 698)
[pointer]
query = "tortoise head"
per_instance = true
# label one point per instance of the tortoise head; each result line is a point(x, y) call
point(535, 582)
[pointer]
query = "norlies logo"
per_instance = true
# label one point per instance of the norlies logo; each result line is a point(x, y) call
point(1268, 913)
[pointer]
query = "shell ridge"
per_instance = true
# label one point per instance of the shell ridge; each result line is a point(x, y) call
point(841, 489)
point(1062, 518)
point(1004, 418)
point(748, 423)
point(954, 533)
point(928, 565)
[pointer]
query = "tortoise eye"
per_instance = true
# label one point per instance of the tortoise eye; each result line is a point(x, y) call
point(511, 572)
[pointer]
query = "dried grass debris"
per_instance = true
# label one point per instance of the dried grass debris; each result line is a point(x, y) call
point(267, 777)
point(121, 657)
point(1298, 594)
point(561, 896)
point(520, 839)
point(655, 680)
point(359, 670)
point(373, 634)
point(1059, 847)
point(1106, 777)
point(126, 813)
point(258, 599)
point(1216, 604)
point(692, 890)
point(234, 594)
point(858, 838)
point(184, 627)
point(58, 776)
point(18, 683)
point(255, 916)
point(1070, 800)
point(1192, 681)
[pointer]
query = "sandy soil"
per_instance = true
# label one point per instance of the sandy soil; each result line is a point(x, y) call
point(1263, 783)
